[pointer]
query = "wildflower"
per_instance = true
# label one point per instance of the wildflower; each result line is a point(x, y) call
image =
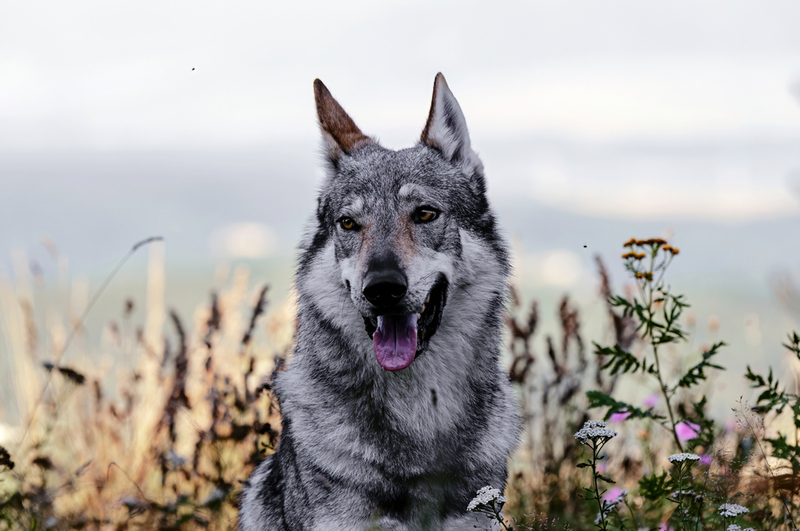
point(671, 249)
point(615, 496)
point(705, 459)
point(487, 496)
point(686, 431)
point(651, 401)
point(734, 527)
point(654, 241)
point(594, 430)
point(630, 243)
point(732, 509)
point(619, 417)
point(681, 493)
point(679, 458)
point(634, 255)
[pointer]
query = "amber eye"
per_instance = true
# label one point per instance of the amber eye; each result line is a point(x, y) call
point(347, 223)
point(425, 215)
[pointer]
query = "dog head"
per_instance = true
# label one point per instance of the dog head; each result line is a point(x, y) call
point(395, 223)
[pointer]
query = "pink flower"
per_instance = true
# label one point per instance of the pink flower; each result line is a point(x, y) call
point(612, 494)
point(619, 417)
point(686, 431)
point(730, 426)
point(663, 527)
point(651, 401)
point(705, 459)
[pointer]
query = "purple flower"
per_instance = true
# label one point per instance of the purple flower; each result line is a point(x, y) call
point(705, 459)
point(663, 527)
point(651, 401)
point(619, 417)
point(612, 494)
point(686, 431)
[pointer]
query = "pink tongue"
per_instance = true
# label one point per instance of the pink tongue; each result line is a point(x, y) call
point(395, 341)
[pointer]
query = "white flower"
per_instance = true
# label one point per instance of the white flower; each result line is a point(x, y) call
point(594, 429)
point(683, 457)
point(734, 527)
point(732, 509)
point(486, 496)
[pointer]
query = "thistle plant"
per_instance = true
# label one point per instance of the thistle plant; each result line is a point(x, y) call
point(595, 434)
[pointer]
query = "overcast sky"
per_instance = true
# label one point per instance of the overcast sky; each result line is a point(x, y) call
point(118, 75)
point(631, 110)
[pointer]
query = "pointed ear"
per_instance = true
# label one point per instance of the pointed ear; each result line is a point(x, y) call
point(446, 129)
point(340, 132)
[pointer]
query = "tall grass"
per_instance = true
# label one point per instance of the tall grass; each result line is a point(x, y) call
point(167, 443)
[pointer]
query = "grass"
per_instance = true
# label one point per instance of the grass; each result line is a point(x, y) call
point(166, 443)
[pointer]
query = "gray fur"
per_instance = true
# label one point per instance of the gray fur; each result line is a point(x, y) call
point(367, 448)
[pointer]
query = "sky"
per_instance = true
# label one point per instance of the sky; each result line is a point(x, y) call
point(128, 112)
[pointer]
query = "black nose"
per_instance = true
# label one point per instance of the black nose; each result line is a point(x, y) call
point(385, 287)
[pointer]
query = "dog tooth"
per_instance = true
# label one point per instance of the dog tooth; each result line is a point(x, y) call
point(428, 299)
point(422, 310)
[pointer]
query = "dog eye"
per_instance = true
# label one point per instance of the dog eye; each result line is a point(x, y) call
point(425, 215)
point(348, 224)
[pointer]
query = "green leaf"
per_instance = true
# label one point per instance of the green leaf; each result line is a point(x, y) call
point(654, 487)
point(619, 360)
point(697, 373)
point(771, 397)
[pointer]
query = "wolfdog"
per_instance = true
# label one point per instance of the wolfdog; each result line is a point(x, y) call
point(395, 408)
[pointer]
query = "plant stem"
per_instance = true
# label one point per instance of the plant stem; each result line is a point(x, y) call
point(666, 396)
point(649, 288)
point(595, 451)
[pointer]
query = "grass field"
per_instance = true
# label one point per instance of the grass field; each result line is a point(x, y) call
point(161, 428)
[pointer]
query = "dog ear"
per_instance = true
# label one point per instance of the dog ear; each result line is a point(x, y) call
point(446, 128)
point(339, 131)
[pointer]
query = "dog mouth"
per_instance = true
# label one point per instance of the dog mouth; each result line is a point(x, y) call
point(399, 339)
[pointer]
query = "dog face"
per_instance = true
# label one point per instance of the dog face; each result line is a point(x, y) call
point(395, 221)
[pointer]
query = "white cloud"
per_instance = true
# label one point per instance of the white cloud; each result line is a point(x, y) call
point(558, 268)
point(243, 240)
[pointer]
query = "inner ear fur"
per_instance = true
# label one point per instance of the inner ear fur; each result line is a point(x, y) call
point(446, 128)
point(339, 129)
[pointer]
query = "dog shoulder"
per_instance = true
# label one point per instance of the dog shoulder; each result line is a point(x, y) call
point(261, 501)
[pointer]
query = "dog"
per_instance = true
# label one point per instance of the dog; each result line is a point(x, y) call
point(395, 407)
